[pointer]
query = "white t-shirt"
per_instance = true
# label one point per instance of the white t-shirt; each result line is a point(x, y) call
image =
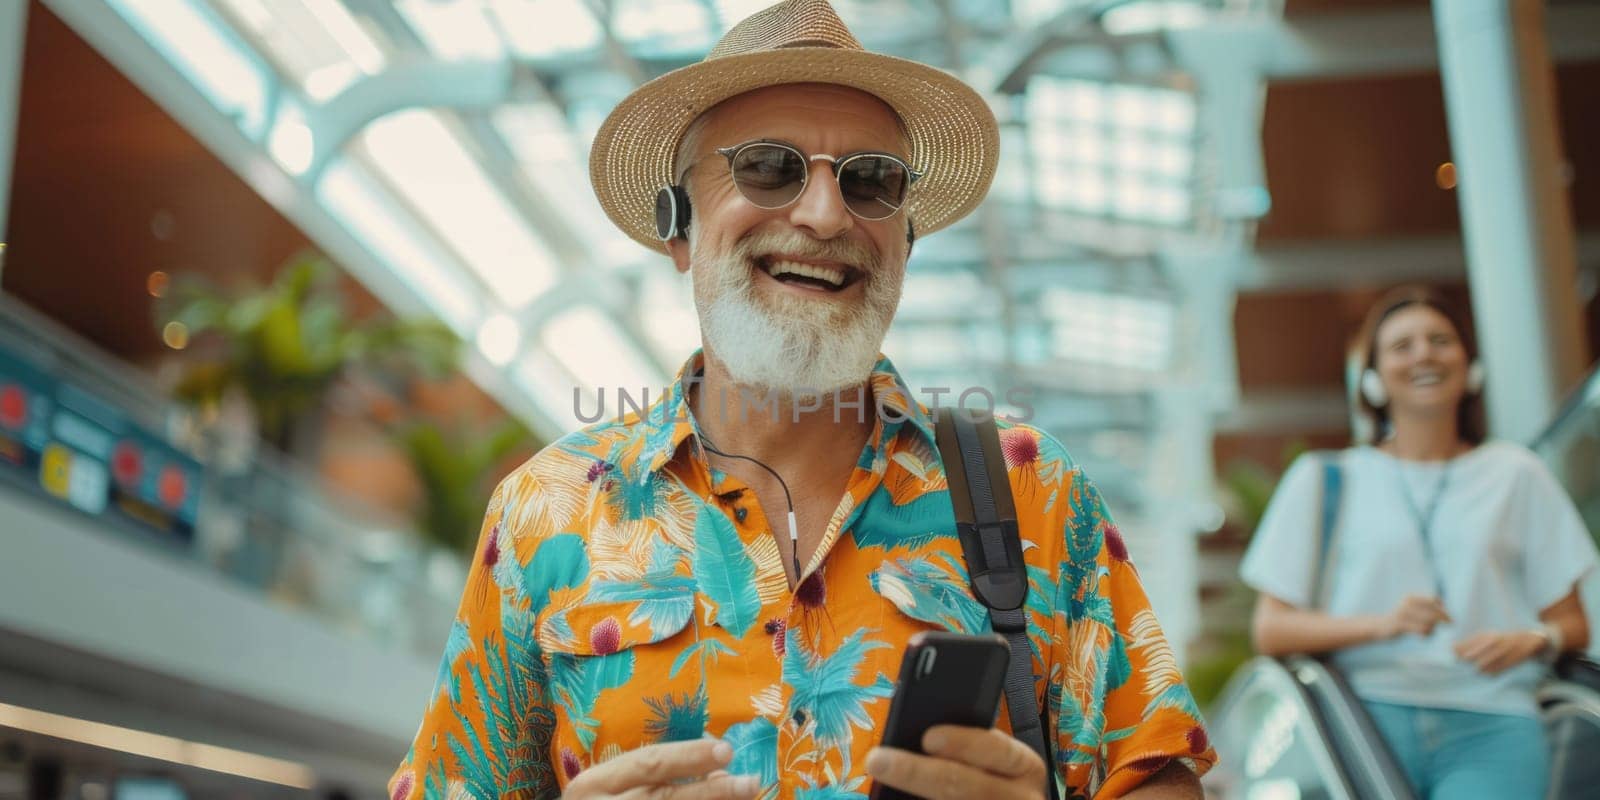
point(1506, 543)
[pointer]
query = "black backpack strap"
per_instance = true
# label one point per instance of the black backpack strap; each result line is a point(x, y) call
point(986, 520)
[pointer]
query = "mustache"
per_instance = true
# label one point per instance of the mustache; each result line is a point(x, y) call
point(794, 243)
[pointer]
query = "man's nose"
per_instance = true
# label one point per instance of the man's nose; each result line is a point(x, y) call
point(820, 208)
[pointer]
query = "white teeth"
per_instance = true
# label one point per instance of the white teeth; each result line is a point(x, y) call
point(1426, 379)
point(832, 276)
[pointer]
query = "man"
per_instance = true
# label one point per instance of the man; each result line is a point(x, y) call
point(710, 599)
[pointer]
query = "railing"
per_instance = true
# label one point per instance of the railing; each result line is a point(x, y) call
point(1570, 704)
point(264, 523)
point(1570, 446)
point(1272, 739)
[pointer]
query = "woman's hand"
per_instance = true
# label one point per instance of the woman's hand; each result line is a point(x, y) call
point(1495, 652)
point(962, 763)
point(1415, 614)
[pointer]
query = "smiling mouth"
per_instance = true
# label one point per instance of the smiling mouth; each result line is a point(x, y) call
point(1427, 378)
point(815, 277)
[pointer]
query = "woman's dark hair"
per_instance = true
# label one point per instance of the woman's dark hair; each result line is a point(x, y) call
point(1470, 425)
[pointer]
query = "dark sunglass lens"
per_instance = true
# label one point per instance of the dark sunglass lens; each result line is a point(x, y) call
point(768, 175)
point(873, 186)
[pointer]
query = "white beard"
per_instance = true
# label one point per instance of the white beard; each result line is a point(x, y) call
point(794, 345)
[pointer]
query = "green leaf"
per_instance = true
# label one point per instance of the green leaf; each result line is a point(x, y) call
point(725, 572)
point(714, 645)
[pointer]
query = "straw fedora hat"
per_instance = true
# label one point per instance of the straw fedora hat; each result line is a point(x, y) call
point(954, 138)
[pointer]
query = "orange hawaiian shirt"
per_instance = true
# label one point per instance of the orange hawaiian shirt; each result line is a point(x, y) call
point(624, 593)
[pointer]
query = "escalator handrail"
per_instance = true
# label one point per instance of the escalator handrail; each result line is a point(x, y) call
point(1586, 393)
point(1373, 751)
point(1575, 683)
point(1275, 673)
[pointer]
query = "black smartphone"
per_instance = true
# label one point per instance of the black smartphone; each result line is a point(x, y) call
point(945, 679)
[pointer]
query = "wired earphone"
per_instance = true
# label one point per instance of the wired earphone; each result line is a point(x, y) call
point(794, 531)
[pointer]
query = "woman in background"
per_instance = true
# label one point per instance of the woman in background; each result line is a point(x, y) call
point(1449, 578)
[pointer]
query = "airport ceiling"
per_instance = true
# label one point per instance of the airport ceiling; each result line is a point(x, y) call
point(1098, 276)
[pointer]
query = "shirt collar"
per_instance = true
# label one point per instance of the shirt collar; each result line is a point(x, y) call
point(669, 421)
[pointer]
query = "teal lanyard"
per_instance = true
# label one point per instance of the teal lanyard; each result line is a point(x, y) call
point(1423, 518)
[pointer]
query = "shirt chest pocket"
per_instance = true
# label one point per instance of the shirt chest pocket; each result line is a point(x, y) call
point(604, 656)
point(931, 588)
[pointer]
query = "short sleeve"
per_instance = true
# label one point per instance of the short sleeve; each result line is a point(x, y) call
point(1122, 700)
point(1559, 551)
point(487, 725)
point(1283, 553)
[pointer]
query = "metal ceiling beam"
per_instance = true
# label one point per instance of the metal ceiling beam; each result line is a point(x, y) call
point(1341, 263)
point(1381, 41)
point(617, 54)
point(420, 83)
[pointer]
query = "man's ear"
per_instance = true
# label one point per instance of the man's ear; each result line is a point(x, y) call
point(678, 249)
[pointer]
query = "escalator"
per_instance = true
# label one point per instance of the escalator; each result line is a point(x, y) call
point(1289, 729)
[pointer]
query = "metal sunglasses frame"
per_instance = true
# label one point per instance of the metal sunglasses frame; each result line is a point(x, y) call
point(836, 163)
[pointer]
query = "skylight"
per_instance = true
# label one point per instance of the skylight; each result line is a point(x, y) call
point(588, 344)
point(454, 30)
point(1119, 151)
point(431, 168)
point(208, 53)
point(1116, 330)
point(317, 44)
point(543, 28)
point(552, 161)
point(371, 215)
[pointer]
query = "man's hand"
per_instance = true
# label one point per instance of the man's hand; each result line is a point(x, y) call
point(962, 763)
point(672, 771)
point(1492, 652)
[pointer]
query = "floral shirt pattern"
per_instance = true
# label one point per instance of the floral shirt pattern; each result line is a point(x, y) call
point(623, 593)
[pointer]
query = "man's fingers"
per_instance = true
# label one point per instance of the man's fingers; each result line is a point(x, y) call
point(933, 778)
point(658, 764)
point(985, 748)
point(722, 787)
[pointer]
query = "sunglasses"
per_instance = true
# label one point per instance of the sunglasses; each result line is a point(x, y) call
point(774, 174)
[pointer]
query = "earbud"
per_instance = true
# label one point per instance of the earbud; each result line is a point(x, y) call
point(1475, 378)
point(672, 213)
point(1372, 389)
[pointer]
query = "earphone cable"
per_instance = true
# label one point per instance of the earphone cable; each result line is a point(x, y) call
point(794, 535)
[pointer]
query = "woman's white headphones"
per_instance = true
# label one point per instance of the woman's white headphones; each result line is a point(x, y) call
point(1378, 397)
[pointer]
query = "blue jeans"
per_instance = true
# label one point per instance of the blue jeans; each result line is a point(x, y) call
point(1465, 755)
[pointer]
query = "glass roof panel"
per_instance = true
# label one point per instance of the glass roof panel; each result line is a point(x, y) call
point(543, 28)
point(454, 30)
point(498, 339)
point(1153, 15)
point(543, 379)
point(211, 55)
point(427, 163)
point(589, 346)
point(1115, 330)
point(663, 25)
point(317, 44)
point(370, 213)
point(1121, 151)
point(548, 156)
point(666, 313)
